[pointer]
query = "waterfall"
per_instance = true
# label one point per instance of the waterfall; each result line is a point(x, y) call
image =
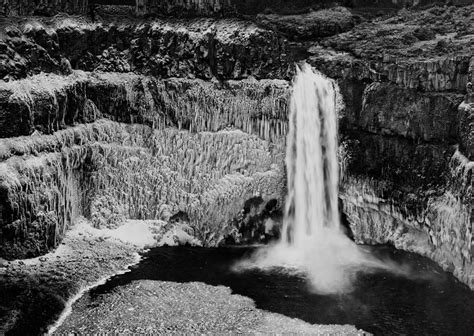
point(311, 159)
point(311, 236)
point(312, 242)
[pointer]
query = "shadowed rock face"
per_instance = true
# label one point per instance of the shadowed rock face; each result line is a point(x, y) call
point(198, 7)
point(47, 8)
point(137, 136)
point(389, 50)
point(466, 122)
point(312, 25)
point(436, 223)
point(252, 7)
point(435, 118)
point(205, 48)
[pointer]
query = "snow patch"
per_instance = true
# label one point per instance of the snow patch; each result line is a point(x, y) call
point(140, 233)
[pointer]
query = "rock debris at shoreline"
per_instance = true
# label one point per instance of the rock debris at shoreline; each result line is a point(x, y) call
point(161, 307)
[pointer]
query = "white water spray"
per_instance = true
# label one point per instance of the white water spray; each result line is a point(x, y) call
point(312, 241)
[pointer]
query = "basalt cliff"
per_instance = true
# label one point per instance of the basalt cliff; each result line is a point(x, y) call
point(179, 111)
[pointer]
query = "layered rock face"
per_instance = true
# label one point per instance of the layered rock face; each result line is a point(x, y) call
point(147, 118)
point(307, 26)
point(437, 224)
point(45, 7)
point(110, 171)
point(252, 7)
point(466, 123)
point(183, 8)
point(205, 48)
point(47, 103)
point(405, 87)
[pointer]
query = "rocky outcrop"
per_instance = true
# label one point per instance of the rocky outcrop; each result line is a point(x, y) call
point(404, 85)
point(423, 50)
point(135, 171)
point(184, 8)
point(253, 7)
point(392, 50)
point(408, 167)
point(130, 172)
point(47, 103)
point(446, 73)
point(466, 122)
point(47, 8)
point(315, 24)
point(180, 8)
point(426, 116)
point(440, 228)
point(202, 48)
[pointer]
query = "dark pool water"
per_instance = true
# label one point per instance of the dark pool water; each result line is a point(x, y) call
point(432, 302)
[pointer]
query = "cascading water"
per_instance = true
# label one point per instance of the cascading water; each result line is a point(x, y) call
point(312, 241)
point(311, 159)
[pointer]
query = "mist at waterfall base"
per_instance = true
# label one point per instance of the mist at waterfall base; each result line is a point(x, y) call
point(313, 243)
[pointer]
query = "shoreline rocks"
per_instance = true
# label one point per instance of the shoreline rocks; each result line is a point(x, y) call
point(189, 308)
point(35, 291)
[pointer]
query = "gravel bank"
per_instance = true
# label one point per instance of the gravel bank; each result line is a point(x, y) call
point(160, 307)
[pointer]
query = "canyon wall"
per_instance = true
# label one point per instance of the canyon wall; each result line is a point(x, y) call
point(61, 99)
point(437, 224)
point(47, 103)
point(407, 129)
point(253, 7)
point(193, 8)
point(183, 7)
point(145, 149)
point(202, 48)
point(42, 7)
point(129, 113)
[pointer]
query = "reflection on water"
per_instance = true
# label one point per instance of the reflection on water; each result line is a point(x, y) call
point(429, 302)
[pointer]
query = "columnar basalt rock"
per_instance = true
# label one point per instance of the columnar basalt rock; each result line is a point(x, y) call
point(441, 228)
point(144, 173)
point(184, 8)
point(424, 50)
point(202, 48)
point(406, 184)
point(110, 171)
point(312, 25)
point(253, 7)
point(44, 7)
point(414, 115)
point(408, 167)
point(39, 199)
point(47, 103)
point(466, 121)
point(448, 73)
